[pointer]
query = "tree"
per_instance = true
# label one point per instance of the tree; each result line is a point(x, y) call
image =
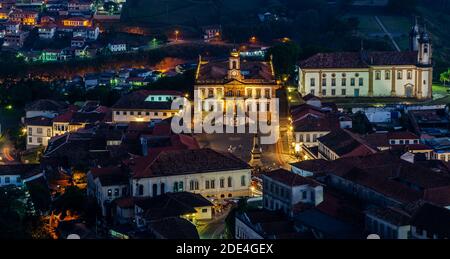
point(445, 77)
point(402, 6)
point(361, 124)
point(285, 56)
point(13, 211)
point(73, 199)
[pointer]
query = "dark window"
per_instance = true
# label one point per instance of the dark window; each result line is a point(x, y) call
point(377, 75)
point(141, 189)
point(196, 185)
point(243, 181)
point(155, 189)
point(230, 181)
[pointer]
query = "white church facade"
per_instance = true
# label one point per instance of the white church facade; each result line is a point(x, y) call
point(406, 74)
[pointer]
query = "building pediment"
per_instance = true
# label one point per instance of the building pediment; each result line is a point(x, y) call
point(233, 82)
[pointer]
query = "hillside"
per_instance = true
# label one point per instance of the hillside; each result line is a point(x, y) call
point(190, 12)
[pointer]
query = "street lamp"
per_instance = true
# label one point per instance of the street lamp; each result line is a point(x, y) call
point(176, 35)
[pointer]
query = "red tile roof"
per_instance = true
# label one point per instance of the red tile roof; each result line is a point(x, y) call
point(125, 202)
point(359, 59)
point(290, 179)
point(64, 117)
point(38, 121)
point(218, 71)
point(402, 135)
point(389, 175)
point(345, 143)
point(179, 162)
point(312, 123)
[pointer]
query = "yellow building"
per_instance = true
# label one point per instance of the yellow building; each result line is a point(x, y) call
point(77, 22)
point(235, 78)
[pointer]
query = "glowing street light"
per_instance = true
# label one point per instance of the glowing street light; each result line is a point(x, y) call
point(285, 39)
point(177, 32)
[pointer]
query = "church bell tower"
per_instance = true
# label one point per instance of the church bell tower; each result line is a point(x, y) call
point(425, 49)
point(234, 66)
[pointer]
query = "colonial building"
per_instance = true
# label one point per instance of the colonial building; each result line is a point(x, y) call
point(106, 185)
point(77, 22)
point(189, 206)
point(284, 189)
point(17, 175)
point(39, 131)
point(145, 106)
point(203, 171)
point(365, 73)
point(235, 78)
point(343, 143)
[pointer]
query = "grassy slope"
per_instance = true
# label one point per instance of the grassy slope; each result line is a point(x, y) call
point(437, 24)
point(189, 12)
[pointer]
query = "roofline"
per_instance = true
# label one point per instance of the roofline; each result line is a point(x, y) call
point(190, 173)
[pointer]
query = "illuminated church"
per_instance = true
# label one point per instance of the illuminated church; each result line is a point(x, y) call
point(406, 74)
